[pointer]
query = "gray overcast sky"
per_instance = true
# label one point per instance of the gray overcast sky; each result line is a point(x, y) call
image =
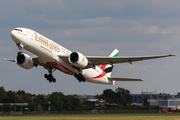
point(96, 27)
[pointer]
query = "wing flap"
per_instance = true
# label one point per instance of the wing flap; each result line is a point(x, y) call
point(124, 79)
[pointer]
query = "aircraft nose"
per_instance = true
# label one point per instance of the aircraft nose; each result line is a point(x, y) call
point(15, 36)
point(12, 34)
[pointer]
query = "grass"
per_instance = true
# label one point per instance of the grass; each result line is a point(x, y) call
point(95, 117)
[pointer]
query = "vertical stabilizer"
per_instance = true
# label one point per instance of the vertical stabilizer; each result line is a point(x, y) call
point(109, 67)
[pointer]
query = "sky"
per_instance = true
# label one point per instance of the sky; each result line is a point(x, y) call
point(96, 28)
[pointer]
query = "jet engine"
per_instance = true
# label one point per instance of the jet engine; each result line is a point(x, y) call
point(77, 59)
point(24, 60)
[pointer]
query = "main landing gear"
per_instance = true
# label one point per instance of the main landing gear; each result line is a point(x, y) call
point(50, 78)
point(80, 77)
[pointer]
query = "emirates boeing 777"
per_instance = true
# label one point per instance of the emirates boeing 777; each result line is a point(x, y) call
point(52, 56)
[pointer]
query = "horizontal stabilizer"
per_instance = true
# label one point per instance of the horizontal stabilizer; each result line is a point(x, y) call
point(9, 60)
point(124, 79)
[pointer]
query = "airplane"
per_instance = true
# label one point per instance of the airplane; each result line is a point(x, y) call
point(52, 56)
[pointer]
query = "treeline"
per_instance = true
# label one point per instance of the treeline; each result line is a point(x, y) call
point(57, 101)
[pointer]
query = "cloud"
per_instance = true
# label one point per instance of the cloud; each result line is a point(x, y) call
point(97, 20)
point(153, 29)
point(95, 28)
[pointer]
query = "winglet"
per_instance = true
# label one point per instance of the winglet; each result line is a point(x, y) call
point(171, 55)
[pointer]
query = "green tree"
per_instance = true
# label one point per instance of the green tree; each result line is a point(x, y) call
point(24, 97)
point(67, 103)
point(146, 103)
point(119, 96)
point(31, 106)
point(46, 106)
point(53, 108)
point(124, 96)
point(6, 107)
point(37, 100)
point(11, 97)
point(41, 100)
point(76, 103)
point(39, 108)
point(109, 95)
point(58, 104)
point(56, 100)
point(2, 94)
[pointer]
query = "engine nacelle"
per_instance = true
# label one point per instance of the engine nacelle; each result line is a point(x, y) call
point(77, 59)
point(24, 61)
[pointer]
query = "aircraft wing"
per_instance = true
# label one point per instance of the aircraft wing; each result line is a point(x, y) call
point(98, 60)
point(102, 60)
point(124, 79)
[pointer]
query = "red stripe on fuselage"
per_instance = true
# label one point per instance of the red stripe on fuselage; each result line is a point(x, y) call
point(101, 75)
point(61, 68)
point(102, 67)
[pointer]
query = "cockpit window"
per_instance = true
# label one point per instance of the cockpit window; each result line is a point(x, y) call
point(19, 30)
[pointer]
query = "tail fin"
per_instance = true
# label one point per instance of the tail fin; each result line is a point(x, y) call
point(109, 67)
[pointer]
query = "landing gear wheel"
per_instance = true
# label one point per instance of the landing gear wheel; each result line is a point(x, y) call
point(49, 81)
point(80, 77)
point(75, 75)
point(46, 76)
point(50, 78)
point(54, 80)
point(84, 80)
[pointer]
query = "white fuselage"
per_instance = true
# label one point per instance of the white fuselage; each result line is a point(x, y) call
point(50, 51)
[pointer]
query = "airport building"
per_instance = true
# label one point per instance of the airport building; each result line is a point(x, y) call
point(16, 105)
point(94, 103)
point(152, 98)
point(83, 98)
point(170, 104)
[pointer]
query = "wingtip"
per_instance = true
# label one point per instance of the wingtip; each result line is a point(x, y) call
point(171, 55)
